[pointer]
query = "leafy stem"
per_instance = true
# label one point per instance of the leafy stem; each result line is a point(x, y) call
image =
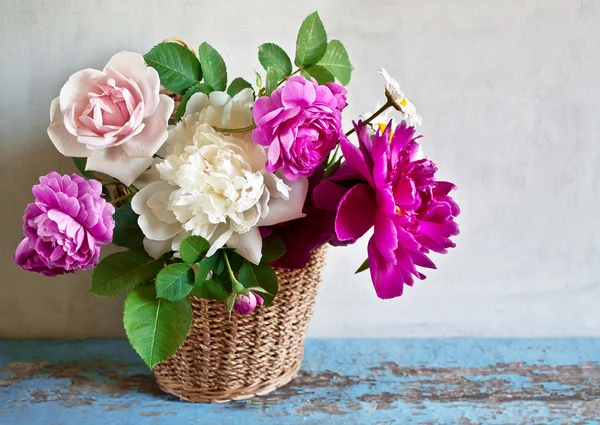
point(236, 286)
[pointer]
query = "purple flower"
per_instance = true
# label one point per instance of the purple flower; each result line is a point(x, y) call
point(339, 92)
point(300, 123)
point(385, 184)
point(304, 235)
point(65, 225)
point(246, 304)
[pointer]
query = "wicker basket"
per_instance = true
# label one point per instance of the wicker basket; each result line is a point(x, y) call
point(226, 359)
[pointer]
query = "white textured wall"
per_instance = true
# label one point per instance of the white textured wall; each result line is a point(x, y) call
point(509, 92)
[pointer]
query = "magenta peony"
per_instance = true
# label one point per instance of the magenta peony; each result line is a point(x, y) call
point(246, 304)
point(304, 235)
point(65, 225)
point(300, 123)
point(387, 185)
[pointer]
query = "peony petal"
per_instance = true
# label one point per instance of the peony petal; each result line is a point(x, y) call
point(355, 159)
point(65, 142)
point(248, 245)
point(156, 249)
point(78, 86)
point(281, 210)
point(245, 98)
point(139, 203)
point(132, 66)
point(155, 132)
point(116, 163)
point(197, 103)
point(157, 230)
point(383, 274)
point(356, 213)
point(327, 195)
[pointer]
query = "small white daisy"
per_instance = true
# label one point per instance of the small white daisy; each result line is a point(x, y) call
point(401, 103)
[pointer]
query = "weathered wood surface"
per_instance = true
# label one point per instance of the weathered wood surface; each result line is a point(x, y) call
point(415, 381)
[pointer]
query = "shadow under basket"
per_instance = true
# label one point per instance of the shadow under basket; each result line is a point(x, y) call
point(226, 359)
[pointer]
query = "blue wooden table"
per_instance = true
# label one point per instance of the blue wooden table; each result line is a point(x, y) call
point(402, 381)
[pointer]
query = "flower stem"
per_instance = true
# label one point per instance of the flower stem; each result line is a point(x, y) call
point(235, 130)
point(375, 114)
point(235, 285)
point(122, 198)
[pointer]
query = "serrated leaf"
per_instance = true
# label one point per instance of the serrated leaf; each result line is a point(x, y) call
point(212, 289)
point(311, 43)
point(193, 248)
point(321, 74)
point(364, 266)
point(121, 271)
point(155, 327)
point(273, 248)
point(80, 163)
point(270, 55)
point(261, 275)
point(237, 85)
point(198, 88)
point(213, 66)
point(175, 281)
point(178, 68)
point(272, 80)
point(127, 233)
point(336, 60)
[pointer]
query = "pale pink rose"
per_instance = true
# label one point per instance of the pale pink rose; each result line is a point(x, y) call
point(115, 117)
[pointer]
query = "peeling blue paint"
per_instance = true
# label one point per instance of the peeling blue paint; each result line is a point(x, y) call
point(402, 381)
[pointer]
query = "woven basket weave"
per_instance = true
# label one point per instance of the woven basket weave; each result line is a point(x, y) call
point(226, 359)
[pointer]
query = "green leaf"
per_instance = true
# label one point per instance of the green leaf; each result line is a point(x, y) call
point(321, 74)
point(237, 85)
point(80, 163)
point(201, 87)
point(193, 248)
point(177, 67)
point(272, 80)
point(206, 265)
point(273, 248)
point(127, 233)
point(364, 266)
point(259, 80)
point(175, 281)
point(120, 272)
point(263, 276)
point(107, 194)
point(337, 62)
point(155, 327)
point(311, 43)
point(212, 289)
point(305, 74)
point(213, 66)
point(272, 56)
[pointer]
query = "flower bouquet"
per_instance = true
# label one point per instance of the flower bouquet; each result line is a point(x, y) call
point(225, 197)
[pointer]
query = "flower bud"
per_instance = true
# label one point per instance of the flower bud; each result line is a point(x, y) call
point(246, 304)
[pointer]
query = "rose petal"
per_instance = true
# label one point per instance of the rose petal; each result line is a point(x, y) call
point(154, 134)
point(116, 163)
point(132, 66)
point(156, 249)
point(65, 142)
point(78, 86)
point(196, 103)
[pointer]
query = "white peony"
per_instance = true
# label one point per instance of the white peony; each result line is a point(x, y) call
point(215, 184)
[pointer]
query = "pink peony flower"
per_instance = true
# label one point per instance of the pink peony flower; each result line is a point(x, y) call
point(246, 304)
point(65, 225)
point(300, 123)
point(387, 185)
point(115, 117)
